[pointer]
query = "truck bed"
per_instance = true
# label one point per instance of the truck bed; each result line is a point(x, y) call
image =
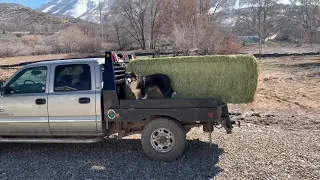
point(199, 109)
point(116, 108)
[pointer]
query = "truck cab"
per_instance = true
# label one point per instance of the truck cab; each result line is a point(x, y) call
point(53, 98)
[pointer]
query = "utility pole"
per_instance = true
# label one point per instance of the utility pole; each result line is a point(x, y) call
point(152, 25)
point(101, 20)
point(260, 39)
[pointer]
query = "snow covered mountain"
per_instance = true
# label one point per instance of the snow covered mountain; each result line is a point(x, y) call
point(84, 9)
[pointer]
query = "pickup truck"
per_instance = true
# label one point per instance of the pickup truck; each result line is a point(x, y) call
point(83, 101)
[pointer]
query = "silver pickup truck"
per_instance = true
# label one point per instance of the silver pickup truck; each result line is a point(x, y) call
point(83, 101)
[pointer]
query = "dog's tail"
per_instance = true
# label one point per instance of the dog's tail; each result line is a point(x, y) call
point(172, 93)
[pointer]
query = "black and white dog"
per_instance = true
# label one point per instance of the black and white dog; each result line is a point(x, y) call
point(141, 85)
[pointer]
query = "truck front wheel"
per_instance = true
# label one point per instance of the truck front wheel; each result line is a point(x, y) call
point(163, 139)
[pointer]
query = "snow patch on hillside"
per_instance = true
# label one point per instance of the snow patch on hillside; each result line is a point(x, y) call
point(48, 8)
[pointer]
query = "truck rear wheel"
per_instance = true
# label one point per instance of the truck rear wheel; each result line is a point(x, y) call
point(163, 139)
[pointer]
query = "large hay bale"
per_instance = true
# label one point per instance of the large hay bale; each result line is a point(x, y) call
point(230, 79)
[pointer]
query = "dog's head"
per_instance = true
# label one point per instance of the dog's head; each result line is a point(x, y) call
point(131, 77)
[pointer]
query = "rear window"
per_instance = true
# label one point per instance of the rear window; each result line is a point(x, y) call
point(75, 77)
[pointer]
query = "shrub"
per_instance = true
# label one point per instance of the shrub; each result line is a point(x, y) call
point(231, 79)
point(42, 50)
point(9, 50)
point(71, 38)
point(204, 37)
point(89, 45)
point(229, 46)
point(31, 40)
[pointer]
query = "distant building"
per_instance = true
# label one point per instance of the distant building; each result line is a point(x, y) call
point(249, 39)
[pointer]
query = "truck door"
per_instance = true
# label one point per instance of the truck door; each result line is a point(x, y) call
point(23, 107)
point(72, 99)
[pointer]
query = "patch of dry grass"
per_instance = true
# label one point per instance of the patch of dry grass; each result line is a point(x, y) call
point(6, 73)
point(22, 59)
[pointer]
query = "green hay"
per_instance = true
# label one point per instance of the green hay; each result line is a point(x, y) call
point(230, 79)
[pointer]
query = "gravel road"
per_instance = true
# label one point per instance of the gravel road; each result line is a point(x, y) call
point(251, 152)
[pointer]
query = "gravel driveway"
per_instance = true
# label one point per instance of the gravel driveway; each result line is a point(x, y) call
point(108, 160)
point(252, 152)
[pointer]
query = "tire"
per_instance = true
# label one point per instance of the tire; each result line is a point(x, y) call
point(159, 128)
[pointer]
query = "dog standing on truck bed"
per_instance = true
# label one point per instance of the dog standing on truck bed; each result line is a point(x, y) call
point(141, 85)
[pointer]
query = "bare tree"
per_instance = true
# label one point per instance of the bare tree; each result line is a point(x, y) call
point(261, 17)
point(117, 25)
point(117, 31)
point(90, 29)
point(156, 13)
point(185, 11)
point(307, 14)
point(71, 38)
point(196, 25)
point(101, 19)
point(135, 12)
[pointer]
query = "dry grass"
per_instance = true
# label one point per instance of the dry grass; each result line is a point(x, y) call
point(281, 48)
point(6, 73)
point(70, 40)
point(22, 59)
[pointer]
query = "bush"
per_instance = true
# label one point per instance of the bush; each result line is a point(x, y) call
point(42, 50)
point(31, 40)
point(231, 79)
point(89, 45)
point(70, 40)
point(9, 50)
point(6, 52)
point(73, 39)
point(55, 41)
point(229, 46)
point(204, 37)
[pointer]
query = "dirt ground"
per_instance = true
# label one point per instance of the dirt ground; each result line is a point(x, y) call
point(270, 48)
point(22, 59)
point(288, 94)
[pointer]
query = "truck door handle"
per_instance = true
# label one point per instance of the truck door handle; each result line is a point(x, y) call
point(84, 100)
point(40, 101)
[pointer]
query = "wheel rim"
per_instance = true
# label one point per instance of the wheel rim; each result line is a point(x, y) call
point(162, 140)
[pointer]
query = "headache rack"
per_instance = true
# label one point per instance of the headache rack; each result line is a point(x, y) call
point(119, 73)
point(113, 77)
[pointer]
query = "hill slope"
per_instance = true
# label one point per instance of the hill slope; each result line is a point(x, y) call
point(18, 14)
point(84, 9)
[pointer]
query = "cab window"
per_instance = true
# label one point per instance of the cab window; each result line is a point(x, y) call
point(30, 80)
point(75, 77)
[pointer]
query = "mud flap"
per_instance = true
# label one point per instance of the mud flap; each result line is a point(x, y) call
point(208, 127)
point(225, 121)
